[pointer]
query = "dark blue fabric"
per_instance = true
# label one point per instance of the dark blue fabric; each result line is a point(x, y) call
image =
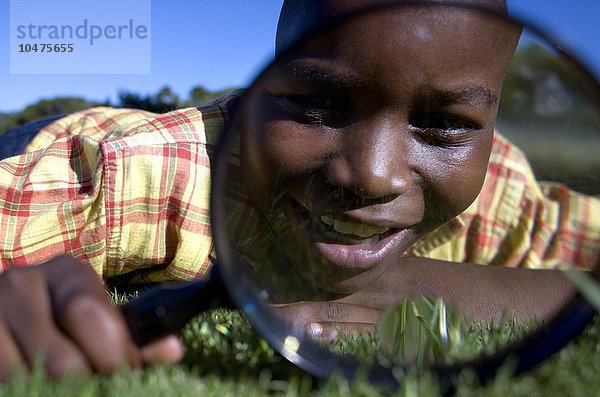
point(14, 141)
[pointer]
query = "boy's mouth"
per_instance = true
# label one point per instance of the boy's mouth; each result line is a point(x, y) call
point(327, 229)
point(353, 229)
point(350, 244)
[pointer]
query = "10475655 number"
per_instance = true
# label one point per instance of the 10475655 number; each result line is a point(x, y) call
point(46, 47)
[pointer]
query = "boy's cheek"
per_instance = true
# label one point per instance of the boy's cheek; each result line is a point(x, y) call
point(453, 186)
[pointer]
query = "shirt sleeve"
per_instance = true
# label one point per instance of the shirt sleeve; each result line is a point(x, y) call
point(536, 224)
point(94, 122)
point(132, 199)
point(563, 230)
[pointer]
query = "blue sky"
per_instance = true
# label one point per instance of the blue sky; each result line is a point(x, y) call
point(224, 43)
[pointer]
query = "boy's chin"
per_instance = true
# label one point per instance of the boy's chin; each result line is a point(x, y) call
point(339, 285)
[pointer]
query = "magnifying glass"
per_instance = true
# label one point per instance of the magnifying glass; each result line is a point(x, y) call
point(401, 174)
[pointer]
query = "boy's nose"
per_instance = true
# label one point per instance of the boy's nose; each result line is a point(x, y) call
point(372, 162)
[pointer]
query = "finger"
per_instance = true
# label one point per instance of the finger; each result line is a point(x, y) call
point(300, 314)
point(83, 311)
point(10, 357)
point(29, 320)
point(168, 350)
point(60, 355)
point(105, 339)
point(329, 332)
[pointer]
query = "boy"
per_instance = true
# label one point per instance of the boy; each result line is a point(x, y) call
point(138, 198)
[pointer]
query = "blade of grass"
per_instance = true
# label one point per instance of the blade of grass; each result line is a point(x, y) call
point(586, 285)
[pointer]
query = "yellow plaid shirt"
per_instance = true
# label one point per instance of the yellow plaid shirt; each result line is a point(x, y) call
point(127, 190)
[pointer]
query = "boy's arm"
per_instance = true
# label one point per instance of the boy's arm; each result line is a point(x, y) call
point(87, 198)
point(481, 292)
point(134, 200)
point(95, 123)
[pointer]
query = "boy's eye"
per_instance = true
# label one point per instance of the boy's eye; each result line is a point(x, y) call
point(443, 128)
point(442, 121)
point(313, 109)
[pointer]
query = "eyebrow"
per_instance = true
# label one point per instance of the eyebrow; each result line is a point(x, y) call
point(462, 95)
point(329, 76)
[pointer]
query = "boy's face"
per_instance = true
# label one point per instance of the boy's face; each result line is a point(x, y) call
point(374, 135)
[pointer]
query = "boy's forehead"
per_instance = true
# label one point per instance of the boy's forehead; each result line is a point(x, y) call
point(428, 48)
point(430, 43)
point(300, 16)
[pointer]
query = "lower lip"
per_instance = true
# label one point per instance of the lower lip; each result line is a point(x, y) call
point(361, 257)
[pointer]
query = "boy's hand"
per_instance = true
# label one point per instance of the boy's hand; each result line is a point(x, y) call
point(60, 311)
point(323, 320)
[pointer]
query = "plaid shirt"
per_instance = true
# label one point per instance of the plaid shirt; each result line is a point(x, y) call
point(127, 190)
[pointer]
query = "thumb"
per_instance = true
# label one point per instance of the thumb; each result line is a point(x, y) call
point(167, 350)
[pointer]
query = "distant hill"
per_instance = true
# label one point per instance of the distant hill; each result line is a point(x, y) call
point(4, 117)
point(162, 101)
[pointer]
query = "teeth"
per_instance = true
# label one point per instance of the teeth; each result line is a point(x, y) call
point(357, 229)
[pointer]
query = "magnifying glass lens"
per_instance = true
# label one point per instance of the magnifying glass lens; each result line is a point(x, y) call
point(408, 177)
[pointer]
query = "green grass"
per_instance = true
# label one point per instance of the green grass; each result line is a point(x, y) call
point(226, 358)
point(427, 331)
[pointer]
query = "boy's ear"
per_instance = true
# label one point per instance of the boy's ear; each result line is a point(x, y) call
point(298, 17)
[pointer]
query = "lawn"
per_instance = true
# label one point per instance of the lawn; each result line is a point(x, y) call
point(226, 358)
